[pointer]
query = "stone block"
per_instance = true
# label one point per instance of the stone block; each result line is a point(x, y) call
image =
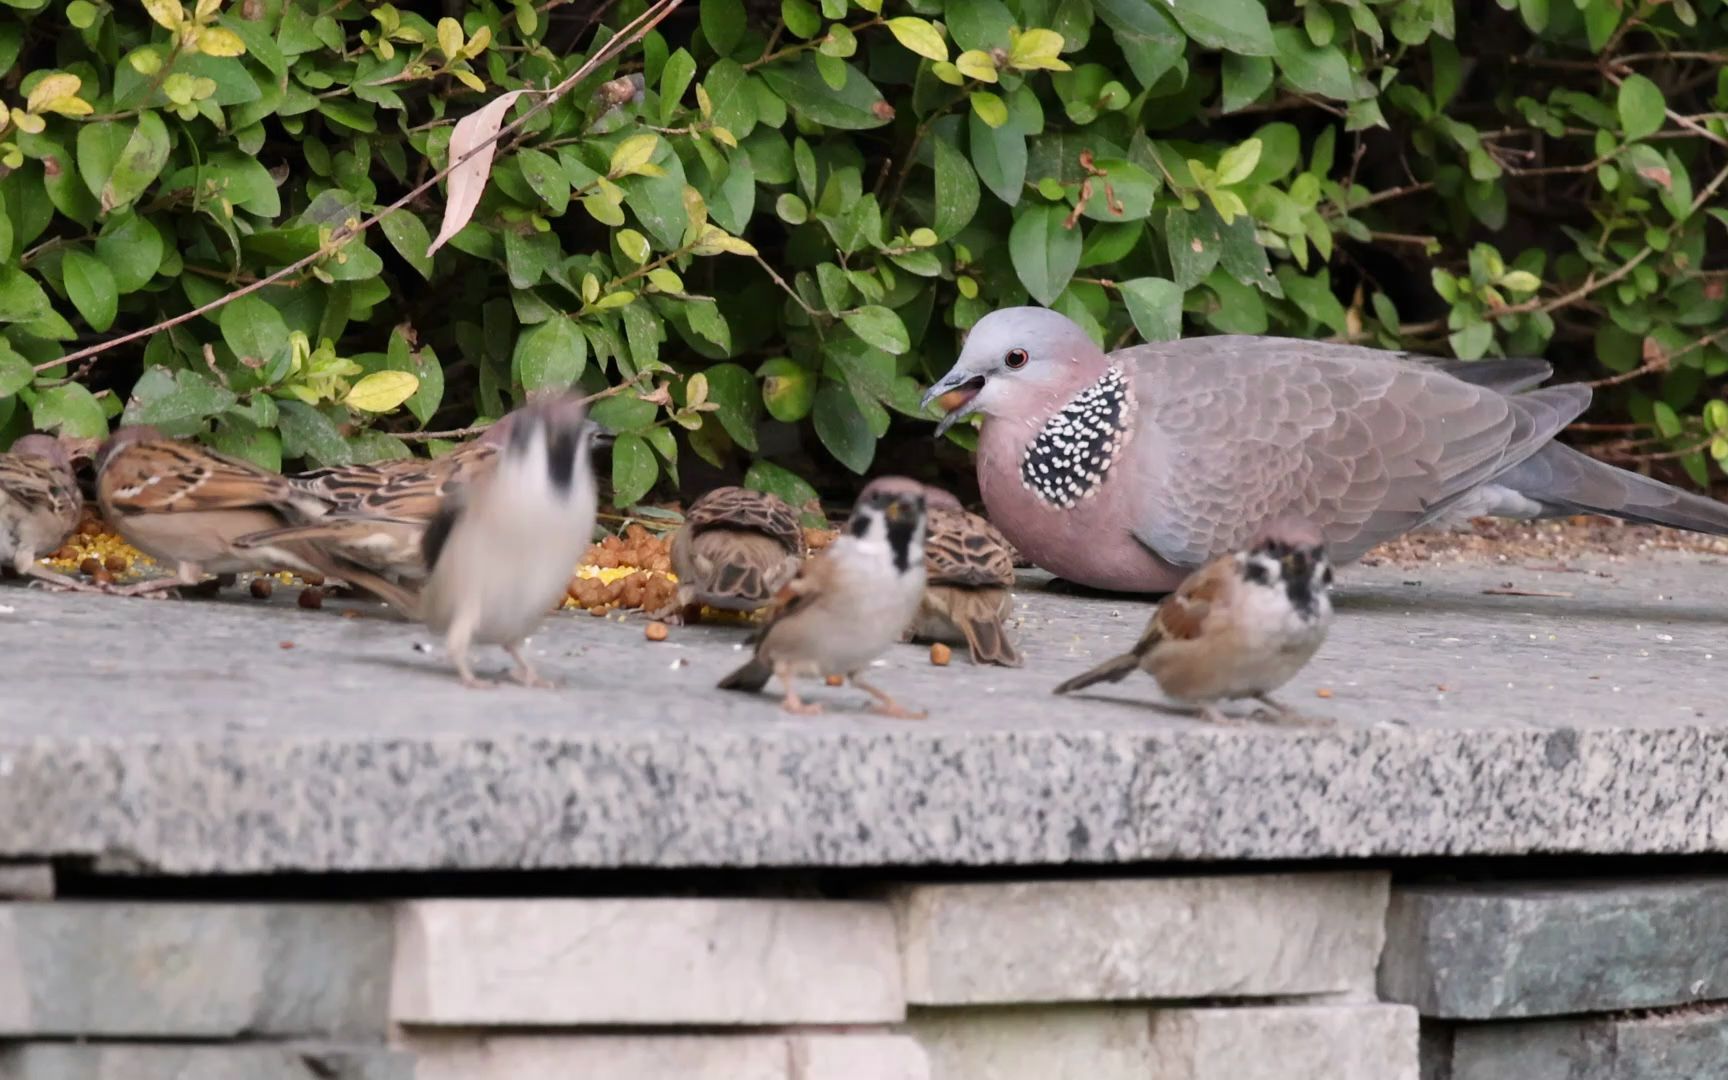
point(1285, 1042)
point(1689, 1044)
point(860, 1056)
point(130, 970)
point(1035, 1042)
point(1125, 939)
point(646, 962)
point(26, 881)
point(1508, 950)
point(240, 1061)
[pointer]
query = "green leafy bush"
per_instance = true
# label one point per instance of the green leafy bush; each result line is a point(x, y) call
point(779, 216)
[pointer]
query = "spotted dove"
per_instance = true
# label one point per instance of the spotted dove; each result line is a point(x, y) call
point(1126, 471)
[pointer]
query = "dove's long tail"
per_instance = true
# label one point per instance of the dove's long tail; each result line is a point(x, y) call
point(1566, 481)
point(1114, 669)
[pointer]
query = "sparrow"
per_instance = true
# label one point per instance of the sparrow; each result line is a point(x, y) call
point(1129, 470)
point(847, 606)
point(380, 510)
point(736, 549)
point(186, 506)
point(502, 546)
point(1241, 627)
point(970, 572)
point(39, 507)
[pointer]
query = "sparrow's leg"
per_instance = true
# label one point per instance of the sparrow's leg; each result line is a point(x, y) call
point(792, 703)
point(456, 641)
point(185, 575)
point(886, 705)
point(1279, 713)
point(58, 581)
point(524, 672)
point(1214, 715)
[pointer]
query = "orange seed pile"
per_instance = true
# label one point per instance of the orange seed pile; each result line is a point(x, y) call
point(632, 571)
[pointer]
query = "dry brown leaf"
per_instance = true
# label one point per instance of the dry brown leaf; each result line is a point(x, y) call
point(468, 180)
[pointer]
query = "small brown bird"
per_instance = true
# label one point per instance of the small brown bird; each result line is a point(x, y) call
point(503, 546)
point(187, 506)
point(736, 549)
point(847, 606)
point(970, 568)
point(1240, 627)
point(39, 507)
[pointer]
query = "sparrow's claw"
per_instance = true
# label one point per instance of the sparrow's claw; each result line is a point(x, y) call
point(155, 590)
point(475, 682)
point(798, 707)
point(525, 673)
point(885, 705)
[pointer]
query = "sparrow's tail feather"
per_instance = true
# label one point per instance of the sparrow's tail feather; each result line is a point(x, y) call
point(1566, 481)
point(1114, 669)
point(741, 582)
point(753, 676)
point(407, 601)
point(989, 642)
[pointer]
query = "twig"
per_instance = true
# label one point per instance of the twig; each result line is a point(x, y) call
point(790, 291)
point(629, 35)
point(462, 433)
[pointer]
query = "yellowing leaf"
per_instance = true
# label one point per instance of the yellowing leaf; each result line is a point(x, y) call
point(921, 37)
point(468, 180)
point(715, 240)
point(477, 44)
point(968, 287)
point(695, 390)
point(590, 288)
point(215, 41)
point(923, 238)
point(69, 106)
point(614, 300)
point(450, 38)
point(948, 73)
point(206, 8)
point(145, 61)
point(976, 65)
point(629, 156)
point(29, 123)
point(51, 89)
point(666, 280)
point(1521, 281)
point(1036, 49)
point(382, 391)
point(469, 79)
point(167, 13)
point(1238, 162)
point(722, 135)
point(634, 245)
point(989, 108)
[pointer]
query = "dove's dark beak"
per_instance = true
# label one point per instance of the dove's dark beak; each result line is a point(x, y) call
point(953, 393)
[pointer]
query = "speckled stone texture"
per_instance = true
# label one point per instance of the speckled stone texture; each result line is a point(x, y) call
point(1688, 1044)
point(114, 970)
point(242, 1061)
point(1506, 949)
point(812, 1056)
point(180, 738)
point(1040, 1042)
point(518, 963)
point(1285, 1042)
point(1227, 935)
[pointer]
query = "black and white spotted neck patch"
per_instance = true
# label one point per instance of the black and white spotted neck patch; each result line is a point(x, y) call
point(1068, 459)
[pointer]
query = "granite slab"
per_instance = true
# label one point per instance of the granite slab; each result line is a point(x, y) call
point(238, 736)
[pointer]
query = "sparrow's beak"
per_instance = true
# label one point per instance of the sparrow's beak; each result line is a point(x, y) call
point(597, 435)
point(954, 394)
point(895, 511)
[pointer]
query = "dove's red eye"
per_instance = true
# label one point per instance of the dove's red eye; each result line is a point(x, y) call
point(1016, 359)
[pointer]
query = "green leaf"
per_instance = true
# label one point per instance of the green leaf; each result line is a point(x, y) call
point(978, 24)
point(634, 467)
point(1150, 40)
point(546, 177)
point(777, 480)
point(1194, 244)
point(1234, 26)
point(1124, 194)
point(177, 402)
point(382, 391)
point(1641, 107)
point(956, 190)
point(243, 181)
point(254, 330)
point(21, 296)
point(91, 288)
point(989, 108)
point(675, 78)
point(728, 88)
point(880, 327)
point(734, 389)
point(1155, 306)
point(801, 19)
point(309, 434)
point(1044, 253)
point(15, 370)
point(1238, 162)
point(70, 410)
point(723, 24)
point(999, 154)
point(1313, 69)
point(1245, 79)
point(788, 389)
point(855, 106)
point(551, 355)
point(131, 248)
point(919, 36)
point(842, 427)
point(408, 235)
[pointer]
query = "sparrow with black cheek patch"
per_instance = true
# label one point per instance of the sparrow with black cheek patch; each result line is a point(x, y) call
point(847, 606)
point(970, 572)
point(736, 549)
point(502, 547)
point(1240, 627)
point(39, 507)
point(187, 506)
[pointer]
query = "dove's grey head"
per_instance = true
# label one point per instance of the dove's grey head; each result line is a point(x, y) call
point(1017, 362)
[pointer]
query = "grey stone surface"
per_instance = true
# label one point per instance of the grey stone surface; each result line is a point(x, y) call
point(569, 963)
point(123, 970)
point(180, 738)
point(794, 1056)
point(1689, 1044)
point(1507, 949)
point(243, 1061)
point(1225, 935)
point(1286, 1042)
point(1040, 1042)
point(27, 881)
